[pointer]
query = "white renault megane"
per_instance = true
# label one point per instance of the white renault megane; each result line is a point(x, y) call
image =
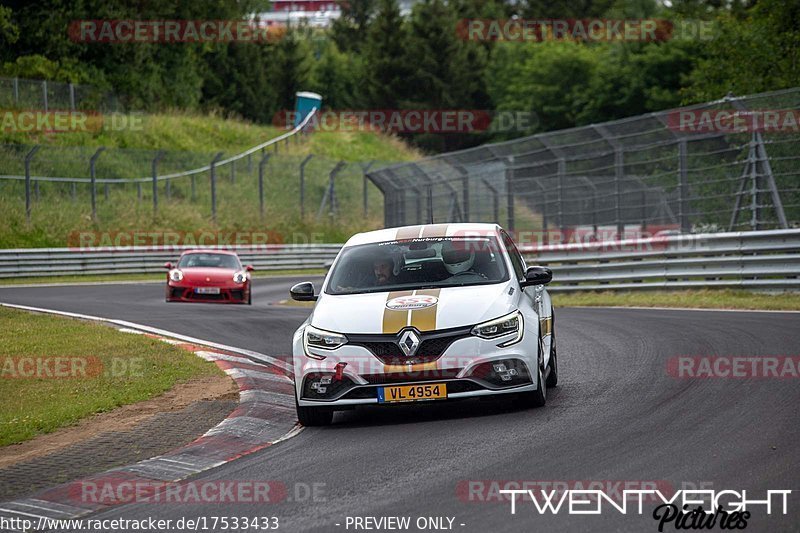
point(424, 313)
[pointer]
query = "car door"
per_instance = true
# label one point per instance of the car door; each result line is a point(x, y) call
point(536, 296)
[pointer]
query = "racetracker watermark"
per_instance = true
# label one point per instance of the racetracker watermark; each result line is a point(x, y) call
point(178, 240)
point(67, 121)
point(699, 121)
point(116, 491)
point(70, 367)
point(413, 120)
point(173, 31)
point(734, 367)
point(586, 30)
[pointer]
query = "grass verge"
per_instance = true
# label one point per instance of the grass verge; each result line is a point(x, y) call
point(80, 369)
point(700, 299)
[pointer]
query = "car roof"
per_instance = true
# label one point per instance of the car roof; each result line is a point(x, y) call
point(423, 231)
point(208, 251)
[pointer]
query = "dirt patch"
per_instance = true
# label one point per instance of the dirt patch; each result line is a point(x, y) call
point(123, 418)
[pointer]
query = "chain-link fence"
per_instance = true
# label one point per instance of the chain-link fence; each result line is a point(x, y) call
point(19, 93)
point(725, 165)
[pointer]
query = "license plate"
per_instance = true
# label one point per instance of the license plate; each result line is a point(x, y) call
point(206, 290)
point(412, 393)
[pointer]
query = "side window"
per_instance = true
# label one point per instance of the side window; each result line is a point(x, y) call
point(516, 258)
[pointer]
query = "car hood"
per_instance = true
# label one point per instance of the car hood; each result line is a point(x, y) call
point(207, 275)
point(430, 309)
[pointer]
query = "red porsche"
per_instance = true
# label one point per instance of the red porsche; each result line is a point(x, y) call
point(209, 276)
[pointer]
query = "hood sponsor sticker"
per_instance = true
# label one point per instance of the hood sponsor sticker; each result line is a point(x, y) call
point(411, 302)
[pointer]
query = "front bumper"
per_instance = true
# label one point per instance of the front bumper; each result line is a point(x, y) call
point(470, 367)
point(179, 292)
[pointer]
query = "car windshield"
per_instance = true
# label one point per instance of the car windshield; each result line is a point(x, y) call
point(417, 264)
point(209, 261)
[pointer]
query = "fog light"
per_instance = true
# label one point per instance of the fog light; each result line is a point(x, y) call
point(500, 368)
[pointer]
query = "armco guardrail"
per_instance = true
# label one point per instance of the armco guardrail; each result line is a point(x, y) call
point(23, 263)
point(752, 260)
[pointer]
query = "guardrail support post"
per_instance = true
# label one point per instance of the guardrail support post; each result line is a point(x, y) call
point(44, 95)
point(93, 176)
point(139, 192)
point(28, 158)
point(154, 168)
point(72, 97)
point(233, 171)
point(16, 92)
point(303, 185)
point(74, 191)
point(261, 165)
point(562, 170)
point(214, 186)
point(194, 188)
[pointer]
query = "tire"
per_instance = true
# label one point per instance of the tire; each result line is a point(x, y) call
point(250, 298)
point(314, 416)
point(537, 398)
point(552, 377)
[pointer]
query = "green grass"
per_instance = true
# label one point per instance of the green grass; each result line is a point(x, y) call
point(143, 277)
point(36, 405)
point(190, 141)
point(701, 299)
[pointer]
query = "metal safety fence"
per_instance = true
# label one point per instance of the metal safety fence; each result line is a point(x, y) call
point(727, 165)
point(751, 260)
point(21, 93)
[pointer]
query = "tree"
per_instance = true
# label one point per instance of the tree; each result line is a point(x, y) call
point(349, 31)
point(386, 69)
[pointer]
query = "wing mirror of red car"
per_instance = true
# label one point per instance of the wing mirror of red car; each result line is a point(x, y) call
point(249, 268)
point(168, 265)
point(537, 275)
point(303, 292)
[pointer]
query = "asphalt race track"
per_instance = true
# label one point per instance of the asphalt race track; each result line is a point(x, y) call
point(617, 415)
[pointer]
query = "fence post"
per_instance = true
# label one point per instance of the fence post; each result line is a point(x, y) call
point(72, 97)
point(194, 188)
point(214, 186)
point(93, 177)
point(44, 94)
point(74, 191)
point(619, 173)
point(16, 92)
point(562, 170)
point(28, 158)
point(364, 170)
point(154, 168)
point(261, 165)
point(139, 191)
point(303, 186)
point(683, 187)
point(510, 192)
point(233, 171)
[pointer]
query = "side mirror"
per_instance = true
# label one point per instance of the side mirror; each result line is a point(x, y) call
point(537, 275)
point(303, 292)
point(249, 268)
point(168, 265)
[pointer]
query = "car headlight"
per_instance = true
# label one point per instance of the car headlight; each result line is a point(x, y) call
point(500, 327)
point(319, 338)
point(239, 277)
point(175, 275)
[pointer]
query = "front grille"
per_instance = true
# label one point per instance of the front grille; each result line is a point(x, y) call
point(418, 376)
point(432, 345)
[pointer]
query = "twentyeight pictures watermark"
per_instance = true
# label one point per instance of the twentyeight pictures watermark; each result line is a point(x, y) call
point(413, 120)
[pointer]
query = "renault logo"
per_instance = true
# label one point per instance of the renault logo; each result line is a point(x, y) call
point(409, 342)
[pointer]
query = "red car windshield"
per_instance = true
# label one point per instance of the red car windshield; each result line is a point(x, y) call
point(210, 261)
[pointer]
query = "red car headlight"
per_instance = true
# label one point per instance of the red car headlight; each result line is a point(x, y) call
point(175, 275)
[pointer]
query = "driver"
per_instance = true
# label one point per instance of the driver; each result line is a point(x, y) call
point(383, 269)
point(459, 261)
